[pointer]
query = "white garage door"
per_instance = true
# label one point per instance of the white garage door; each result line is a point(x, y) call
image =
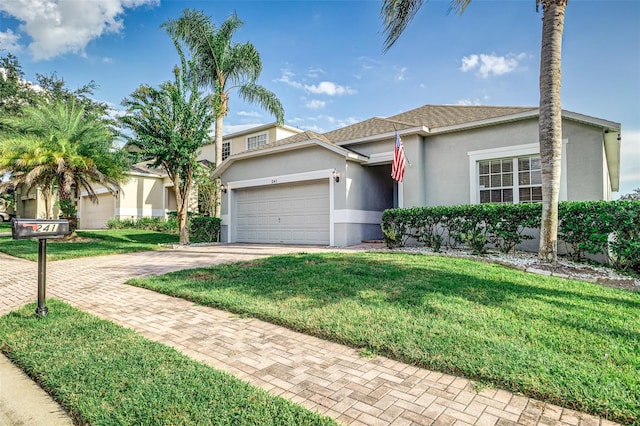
point(288, 213)
point(95, 216)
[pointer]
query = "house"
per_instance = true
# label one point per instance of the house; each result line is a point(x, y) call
point(149, 192)
point(251, 138)
point(332, 188)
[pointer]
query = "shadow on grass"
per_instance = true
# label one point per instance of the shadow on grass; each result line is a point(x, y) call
point(415, 283)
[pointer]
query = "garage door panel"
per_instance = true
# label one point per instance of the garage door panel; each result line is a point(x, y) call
point(96, 215)
point(289, 213)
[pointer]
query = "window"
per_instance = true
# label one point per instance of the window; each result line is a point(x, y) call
point(510, 180)
point(226, 150)
point(256, 141)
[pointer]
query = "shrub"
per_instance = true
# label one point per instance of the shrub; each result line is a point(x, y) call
point(158, 224)
point(204, 229)
point(611, 228)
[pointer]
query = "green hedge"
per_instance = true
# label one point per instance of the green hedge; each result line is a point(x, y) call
point(204, 229)
point(158, 224)
point(595, 227)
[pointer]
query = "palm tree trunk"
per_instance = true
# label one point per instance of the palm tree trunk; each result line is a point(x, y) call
point(219, 120)
point(550, 125)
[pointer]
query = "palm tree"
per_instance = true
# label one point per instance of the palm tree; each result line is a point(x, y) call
point(222, 66)
point(58, 144)
point(170, 124)
point(397, 14)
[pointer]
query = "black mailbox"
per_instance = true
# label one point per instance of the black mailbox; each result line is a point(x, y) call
point(22, 229)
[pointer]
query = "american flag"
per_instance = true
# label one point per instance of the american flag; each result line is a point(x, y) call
point(399, 160)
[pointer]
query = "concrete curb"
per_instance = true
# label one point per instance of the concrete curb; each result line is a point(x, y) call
point(18, 391)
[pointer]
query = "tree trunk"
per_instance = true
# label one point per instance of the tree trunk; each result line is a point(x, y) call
point(219, 120)
point(181, 212)
point(550, 125)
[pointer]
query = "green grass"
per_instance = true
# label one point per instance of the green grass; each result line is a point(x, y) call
point(109, 375)
point(567, 342)
point(91, 243)
point(5, 226)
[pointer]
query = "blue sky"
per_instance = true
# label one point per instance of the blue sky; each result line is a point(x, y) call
point(324, 59)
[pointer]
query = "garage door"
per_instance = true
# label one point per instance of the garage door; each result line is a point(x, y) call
point(95, 216)
point(288, 213)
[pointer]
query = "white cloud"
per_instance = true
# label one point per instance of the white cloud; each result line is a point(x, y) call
point(400, 75)
point(323, 88)
point(57, 27)
point(287, 78)
point(491, 64)
point(9, 41)
point(233, 128)
point(315, 104)
point(249, 114)
point(329, 88)
point(315, 72)
point(468, 102)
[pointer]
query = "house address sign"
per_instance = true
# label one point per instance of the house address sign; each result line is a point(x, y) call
point(39, 228)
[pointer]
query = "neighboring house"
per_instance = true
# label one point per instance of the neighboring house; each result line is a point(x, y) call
point(147, 192)
point(33, 203)
point(332, 188)
point(248, 139)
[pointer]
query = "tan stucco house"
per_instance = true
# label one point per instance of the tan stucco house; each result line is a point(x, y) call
point(332, 188)
point(147, 192)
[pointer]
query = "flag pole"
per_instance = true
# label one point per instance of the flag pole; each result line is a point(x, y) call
point(405, 151)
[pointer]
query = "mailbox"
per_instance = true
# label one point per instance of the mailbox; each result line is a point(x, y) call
point(22, 229)
point(42, 229)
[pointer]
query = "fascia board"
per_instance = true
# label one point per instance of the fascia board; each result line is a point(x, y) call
point(419, 130)
point(525, 115)
point(147, 175)
point(598, 122)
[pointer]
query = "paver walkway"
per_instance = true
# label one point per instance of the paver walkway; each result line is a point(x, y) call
point(322, 376)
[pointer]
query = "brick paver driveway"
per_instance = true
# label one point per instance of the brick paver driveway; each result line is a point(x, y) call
point(326, 377)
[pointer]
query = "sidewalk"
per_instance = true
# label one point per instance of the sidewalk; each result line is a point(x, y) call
point(322, 376)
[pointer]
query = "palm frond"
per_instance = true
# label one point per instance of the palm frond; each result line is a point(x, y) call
point(266, 99)
point(396, 15)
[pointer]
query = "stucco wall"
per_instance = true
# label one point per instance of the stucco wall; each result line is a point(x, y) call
point(586, 163)
point(142, 195)
point(284, 163)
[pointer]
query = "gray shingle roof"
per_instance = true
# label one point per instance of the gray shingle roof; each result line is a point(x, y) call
point(430, 116)
point(144, 168)
point(371, 127)
point(433, 116)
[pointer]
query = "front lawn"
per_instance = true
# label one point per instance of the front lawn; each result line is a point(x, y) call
point(5, 226)
point(567, 342)
point(90, 243)
point(106, 374)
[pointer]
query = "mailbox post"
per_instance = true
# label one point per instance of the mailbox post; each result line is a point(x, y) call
point(42, 229)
